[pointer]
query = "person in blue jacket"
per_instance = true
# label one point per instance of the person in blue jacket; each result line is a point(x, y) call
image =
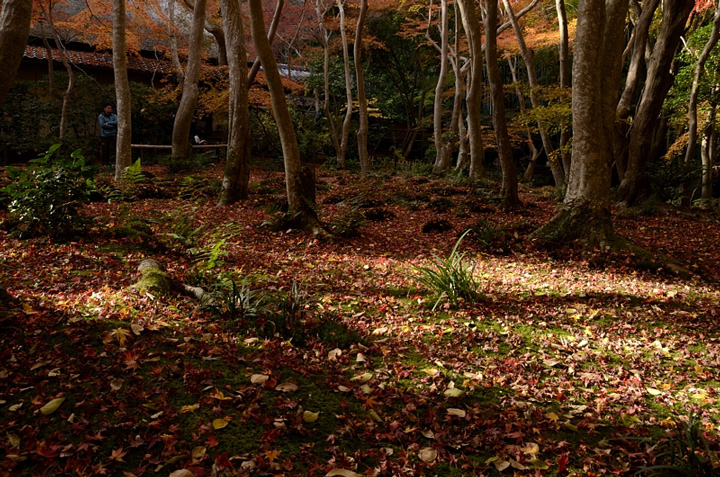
point(108, 133)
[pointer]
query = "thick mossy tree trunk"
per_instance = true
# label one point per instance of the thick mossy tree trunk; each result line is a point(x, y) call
point(14, 29)
point(585, 214)
point(237, 165)
point(300, 193)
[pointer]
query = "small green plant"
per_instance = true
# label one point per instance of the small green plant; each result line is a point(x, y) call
point(46, 198)
point(451, 278)
point(347, 224)
point(235, 303)
point(489, 236)
point(133, 174)
point(289, 311)
point(210, 257)
point(684, 452)
point(183, 230)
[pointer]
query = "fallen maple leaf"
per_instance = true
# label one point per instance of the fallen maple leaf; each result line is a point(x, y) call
point(118, 454)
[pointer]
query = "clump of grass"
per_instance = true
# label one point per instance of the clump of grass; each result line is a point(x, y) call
point(451, 278)
point(685, 452)
point(440, 225)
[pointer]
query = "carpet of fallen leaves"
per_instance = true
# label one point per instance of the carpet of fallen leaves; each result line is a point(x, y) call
point(565, 361)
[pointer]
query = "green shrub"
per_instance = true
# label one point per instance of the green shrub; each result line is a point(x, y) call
point(45, 199)
point(450, 278)
point(489, 236)
point(441, 204)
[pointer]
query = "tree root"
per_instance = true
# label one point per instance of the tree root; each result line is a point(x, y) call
point(595, 231)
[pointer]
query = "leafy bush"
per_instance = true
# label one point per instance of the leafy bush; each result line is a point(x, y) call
point(450, 278)
point(183, 230)
point(45, 199)
point(233, 303)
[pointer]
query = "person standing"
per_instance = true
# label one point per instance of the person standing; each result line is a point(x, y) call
point(108, 133)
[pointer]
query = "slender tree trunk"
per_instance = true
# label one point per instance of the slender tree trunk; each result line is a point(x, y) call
point(692, 103)
point(49, 54)
point(511, 200)
point(530, 170)
point(641, 32)
point(585, 213)
point(271, 38)
point(345, 130)
point(123, 152)
point(237, 165)
point(474, 89)
point(564, 80)
point(68, 69)
point(300, 192)
point(321, 9)
point(181, 146)
point(707, 156)
point(14, 29)
point(634, 185)
point(363, 128)
point(442, 161)
point(174, 54)
point(555, 166)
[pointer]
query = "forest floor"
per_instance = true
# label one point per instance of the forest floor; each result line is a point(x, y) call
point(327, 358)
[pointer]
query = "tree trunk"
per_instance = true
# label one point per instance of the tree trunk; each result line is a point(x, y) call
point(555, 166)
point(14, 30)
point(707, 156)
point(564, 80)
point(300, 199)
point(123, 152)
point(71, 77)
point(442, 161)
point(321, 9)
point(174, 54)
point(49, 55)
point(530, 170)
point(692, 103)
point(345, 130)
point(471, 23)
point(511, 200)
point(641, 33)
point(271, 37)
point(585, 213)
point(363, 128)
point(181, 147)
point(635, 185)
point(237, 165)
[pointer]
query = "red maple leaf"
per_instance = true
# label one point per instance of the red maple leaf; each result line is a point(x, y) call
point(118, 454)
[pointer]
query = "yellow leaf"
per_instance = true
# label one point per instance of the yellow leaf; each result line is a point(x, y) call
point(219, 423)
point(198, 452)
point(456, 412)
point(309, 416)
point(454, 392)
point(654, 392)
point(52, 406)
point(342, 473)
point(552, 416)
point(14, 440)
point(259, 378)
point(427, 454)
point(287, 387)
point(531, 448)
point(501, 465)
point(189, 408)
point(363, 378)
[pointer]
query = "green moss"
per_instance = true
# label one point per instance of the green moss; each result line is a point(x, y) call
point(154, 280)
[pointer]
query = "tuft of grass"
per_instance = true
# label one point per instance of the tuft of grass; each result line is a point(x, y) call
point(451, 278)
